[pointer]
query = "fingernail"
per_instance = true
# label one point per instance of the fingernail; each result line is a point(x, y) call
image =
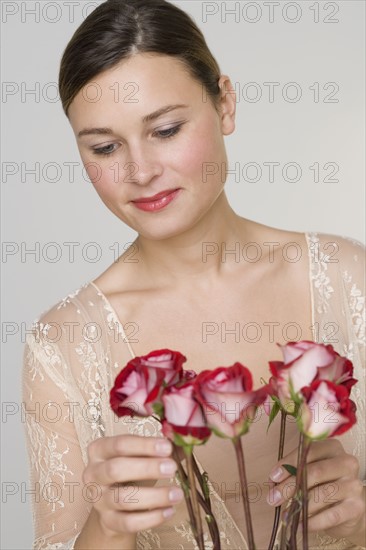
point(274, 497)
point(168, 512)
point(276, 474)
point(168, 467)
point(175, 494)
point(163, 448)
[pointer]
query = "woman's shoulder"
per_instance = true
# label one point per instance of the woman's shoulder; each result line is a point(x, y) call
point(68, 312)
point(343, 249)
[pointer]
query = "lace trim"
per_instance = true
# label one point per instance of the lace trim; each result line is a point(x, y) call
point(39, 544)
point(356, 304)
point(319, 276)
point(113, 319)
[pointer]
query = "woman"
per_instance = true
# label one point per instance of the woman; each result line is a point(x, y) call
point(150, 108)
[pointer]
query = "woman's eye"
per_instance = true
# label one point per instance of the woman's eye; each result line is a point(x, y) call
point(161, 134)
point(105, 151)
point(170, 132)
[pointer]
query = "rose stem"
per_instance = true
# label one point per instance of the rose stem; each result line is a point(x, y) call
point(279, 456)
point(296, 507)
point(212, 523)
point(305, 496)
point(203, 502)
point(244, 490)
point(196, 510)
point(283, 542)
point(289, 512)
point(183, 479)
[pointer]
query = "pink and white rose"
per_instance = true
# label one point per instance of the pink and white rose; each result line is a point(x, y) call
point(184, 421)
point(139, 385)
point(228, 400)
point(305, 362)
point(326, 411)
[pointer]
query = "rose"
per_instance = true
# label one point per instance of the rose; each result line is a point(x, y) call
point(184, 422)
point(303, 363)
point(133, 393)
point(163, 359)
point(339, 372)
point(227, 398)
point(139, 385)
point(326, 411)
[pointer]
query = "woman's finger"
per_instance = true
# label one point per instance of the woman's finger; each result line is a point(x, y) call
point(107, 447)
point(340, 518)
point(127, 469)
point(331, 470)
point(132, 497)
point(319, 450)
point(132, 522)
point(328, 494)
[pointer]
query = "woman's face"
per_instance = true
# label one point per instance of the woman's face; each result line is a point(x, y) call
point(179, 155)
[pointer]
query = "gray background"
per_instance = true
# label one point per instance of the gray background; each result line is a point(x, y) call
point(331, 129)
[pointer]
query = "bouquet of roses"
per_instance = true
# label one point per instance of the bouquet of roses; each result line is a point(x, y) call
point(312, 380)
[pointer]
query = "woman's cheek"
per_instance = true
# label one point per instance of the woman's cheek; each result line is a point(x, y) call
point(103, 177)
point(202, 154)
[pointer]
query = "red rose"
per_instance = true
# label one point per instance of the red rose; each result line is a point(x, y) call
point(305, 362)
point(339, 371)
point(139, 385)
point(227, 398)
point(170, 362)
point(184, 422)
point(327, 410)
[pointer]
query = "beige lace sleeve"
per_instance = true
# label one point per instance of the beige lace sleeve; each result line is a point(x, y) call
point(54, 454)
point(337, 270)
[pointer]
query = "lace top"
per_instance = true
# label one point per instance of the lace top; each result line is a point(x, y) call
point(71, 359)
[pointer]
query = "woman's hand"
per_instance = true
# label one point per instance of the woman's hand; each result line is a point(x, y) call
point(336, 496)
point(118, 465)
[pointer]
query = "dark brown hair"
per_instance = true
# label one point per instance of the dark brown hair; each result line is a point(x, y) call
point(117, 29)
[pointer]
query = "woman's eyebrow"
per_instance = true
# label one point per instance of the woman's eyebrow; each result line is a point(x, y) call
point(146, 118)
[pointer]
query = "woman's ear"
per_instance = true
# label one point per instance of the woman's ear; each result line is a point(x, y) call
point(227, 105)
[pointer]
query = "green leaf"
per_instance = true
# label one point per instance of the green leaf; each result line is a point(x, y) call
point(274, 412)
point(291, 469)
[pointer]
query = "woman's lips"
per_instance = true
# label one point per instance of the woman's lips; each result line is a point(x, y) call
point(157, 202)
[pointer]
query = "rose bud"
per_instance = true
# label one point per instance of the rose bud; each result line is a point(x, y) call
point(227, 398)
point(326, 411)
point(184, 422)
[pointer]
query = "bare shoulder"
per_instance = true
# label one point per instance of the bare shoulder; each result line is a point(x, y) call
point(281, 244)
point(345, 248)
point(123, 276)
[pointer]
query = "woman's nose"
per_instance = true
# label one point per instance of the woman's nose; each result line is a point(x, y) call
point(142, 164)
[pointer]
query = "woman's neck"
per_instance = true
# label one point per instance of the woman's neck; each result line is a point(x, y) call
point(198, 251)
